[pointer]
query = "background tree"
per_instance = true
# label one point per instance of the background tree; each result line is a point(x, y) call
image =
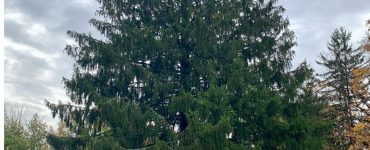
point(22, 132)
point(189, 75)
point(37, 133)
point(338, 91)
point(15, 132)
point(367, 43)
point(61, 131)
point(362, 72)
point(360, 84)
point(360, 134)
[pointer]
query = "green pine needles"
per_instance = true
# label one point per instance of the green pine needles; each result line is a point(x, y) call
point(182, 74)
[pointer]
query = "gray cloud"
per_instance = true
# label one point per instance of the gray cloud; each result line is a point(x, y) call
point(35, 33)
point(24, 73)
point(314, 21)
point(15, 31)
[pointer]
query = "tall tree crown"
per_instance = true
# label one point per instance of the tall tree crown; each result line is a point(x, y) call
point(341, 65)
point(203, 74)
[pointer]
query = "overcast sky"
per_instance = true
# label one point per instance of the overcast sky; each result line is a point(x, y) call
point(35, 36)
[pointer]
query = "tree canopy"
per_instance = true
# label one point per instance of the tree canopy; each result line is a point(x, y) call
point(182, 74)
point(360, 133)
point(344, 90)
point(23, 131)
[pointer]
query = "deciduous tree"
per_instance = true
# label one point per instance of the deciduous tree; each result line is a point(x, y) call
point(360, 85)
point(22, 132)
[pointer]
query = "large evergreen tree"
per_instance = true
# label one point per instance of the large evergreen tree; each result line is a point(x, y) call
point(206, 74)
point(338, 91)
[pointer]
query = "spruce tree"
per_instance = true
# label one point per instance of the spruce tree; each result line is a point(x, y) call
point(337, 81)
point(182, 74)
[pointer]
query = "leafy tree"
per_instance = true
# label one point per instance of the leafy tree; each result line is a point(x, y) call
point(61, 131)
point(367, 42)
point(189, 75)
point(360, 133)
point(338, 91)
point(15, 132)
point(22, 134)
point(37, 133)
point(362, 72)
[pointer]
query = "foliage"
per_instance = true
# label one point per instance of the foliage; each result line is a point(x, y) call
point(15, 132)
point(22, 134)
point(367, 41)
point(360, 133)
point(180, 74)
point(339, 88)
point(362, 73)
point(61, 131)
point(37, 133)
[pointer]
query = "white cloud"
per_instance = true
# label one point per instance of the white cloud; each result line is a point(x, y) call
point(46, 75)
point(36, 30)
point(14, 16)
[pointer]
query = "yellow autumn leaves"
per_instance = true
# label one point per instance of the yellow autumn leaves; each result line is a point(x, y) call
point(360, 133)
